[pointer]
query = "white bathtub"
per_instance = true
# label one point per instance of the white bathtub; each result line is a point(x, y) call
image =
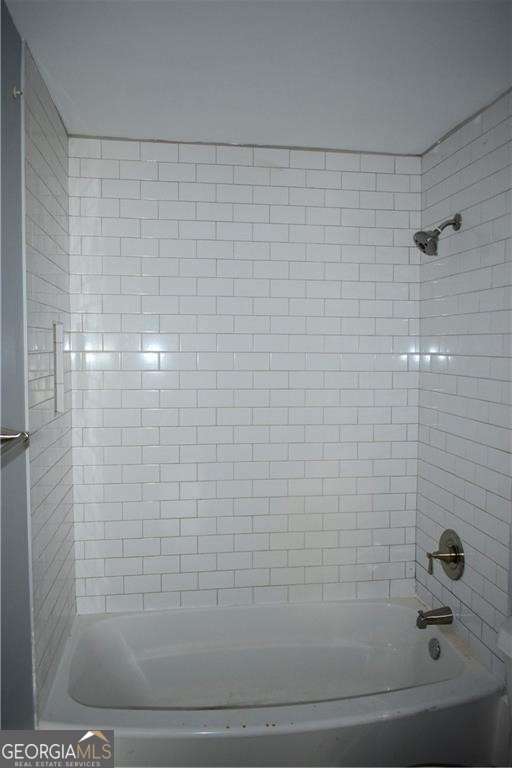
point(316, 684)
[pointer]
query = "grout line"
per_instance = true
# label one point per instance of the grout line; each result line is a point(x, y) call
point(442, 180)
point(298, 147)
point(428, 208)
point(216, 143)
point(466, 120)
point(451, 453)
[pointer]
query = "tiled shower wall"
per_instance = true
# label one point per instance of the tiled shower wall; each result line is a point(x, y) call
point(465, 437)
point(47, 285)
point(245, 348)
point(244, 336)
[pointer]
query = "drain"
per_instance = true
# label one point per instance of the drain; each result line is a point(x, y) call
point(434, 648)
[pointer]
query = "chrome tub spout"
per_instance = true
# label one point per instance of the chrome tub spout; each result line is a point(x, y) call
point(442, 615)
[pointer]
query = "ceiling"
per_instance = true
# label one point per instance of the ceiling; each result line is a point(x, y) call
point(374, 75)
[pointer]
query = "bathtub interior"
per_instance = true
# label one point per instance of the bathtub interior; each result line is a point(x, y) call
point(257, 657)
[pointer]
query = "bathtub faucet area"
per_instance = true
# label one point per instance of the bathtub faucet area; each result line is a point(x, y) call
point(442, 615)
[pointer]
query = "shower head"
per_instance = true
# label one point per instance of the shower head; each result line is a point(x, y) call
point(427, 241)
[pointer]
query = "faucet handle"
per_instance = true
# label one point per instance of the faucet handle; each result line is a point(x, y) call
point(450, 554)
point(447, 557)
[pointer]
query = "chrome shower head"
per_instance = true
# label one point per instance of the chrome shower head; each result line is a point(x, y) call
point(427, 241)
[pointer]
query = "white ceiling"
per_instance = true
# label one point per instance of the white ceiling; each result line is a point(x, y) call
point(383, 75)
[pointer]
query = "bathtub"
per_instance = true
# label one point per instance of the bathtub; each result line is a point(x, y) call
point(331, 684)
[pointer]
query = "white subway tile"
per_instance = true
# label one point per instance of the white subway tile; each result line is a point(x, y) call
point(252, 319)
point(159, 151)
point(120, 150)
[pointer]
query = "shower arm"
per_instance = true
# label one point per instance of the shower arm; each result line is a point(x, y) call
point(455, 222)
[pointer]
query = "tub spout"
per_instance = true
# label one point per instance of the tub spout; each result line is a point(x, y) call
point(442, 615)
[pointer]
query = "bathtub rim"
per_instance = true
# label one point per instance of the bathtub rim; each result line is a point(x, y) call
point(474, 682)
